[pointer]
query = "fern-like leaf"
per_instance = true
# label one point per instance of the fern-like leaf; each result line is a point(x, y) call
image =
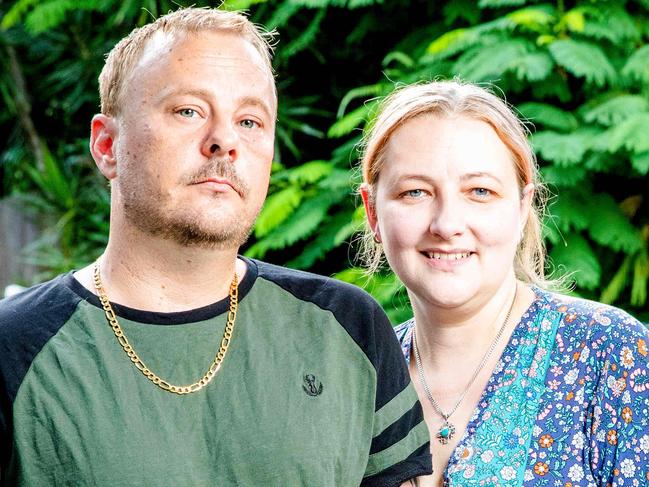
point(535, 66)
point(305, 38)
point(584, 60)
point(640, 162)
point(640, 278)
point(535, 19)
point(282, 14)
point(16, 13)
point(461, 9)
point(630, 134)
point(609, 22)
point(307, 173)
point(565, 177)
point(548, 116)
point(490, 62)
point(568, 212)
point(615, 110)
point(617, 284)
point(452, 42)
point(577, 257)
point(360, 92)
point(351, 121)
point(327, 239)
point(278, 207)
point(637, 66)
point(610, 227)
point(564, 149)
point(500, 3)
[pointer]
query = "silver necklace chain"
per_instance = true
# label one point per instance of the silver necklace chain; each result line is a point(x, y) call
point(420, 369)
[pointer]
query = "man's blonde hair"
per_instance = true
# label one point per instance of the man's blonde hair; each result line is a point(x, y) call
point(124, 56)
point(452, 99)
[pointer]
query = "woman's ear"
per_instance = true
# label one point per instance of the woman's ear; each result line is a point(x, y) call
point(370, 211)
point(103, 132)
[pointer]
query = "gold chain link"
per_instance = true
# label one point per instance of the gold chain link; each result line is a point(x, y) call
point(137, 361)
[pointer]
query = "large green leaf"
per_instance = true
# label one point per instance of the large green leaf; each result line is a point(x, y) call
point(564, 149)
point(500, 3)
point(640, 279)
point(609, 22)
point(352, 120)
point(490, 62)
point(563, 176)
point(637, 66)
point(277, 208)
point(608, 226)
point(577, 257)
point(568, 212)
point(534, 66)
point(640, 162)
point(537, 19)
point(584, 60)
point(615, 110)
point(631, 134)
point(549, 116)
point(616, 285)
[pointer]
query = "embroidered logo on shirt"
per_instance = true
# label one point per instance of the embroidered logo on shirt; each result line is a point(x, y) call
point(311, 385)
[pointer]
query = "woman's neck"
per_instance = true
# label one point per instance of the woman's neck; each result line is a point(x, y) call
point(464, 333)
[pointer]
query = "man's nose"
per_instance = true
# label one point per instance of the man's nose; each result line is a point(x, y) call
point(221, 141)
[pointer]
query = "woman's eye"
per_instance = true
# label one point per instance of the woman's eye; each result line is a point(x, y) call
point(187, 112)
point(481, 192)
point(249, 124)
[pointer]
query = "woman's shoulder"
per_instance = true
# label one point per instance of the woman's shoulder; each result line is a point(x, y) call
point(601, 321)
point(404, 335)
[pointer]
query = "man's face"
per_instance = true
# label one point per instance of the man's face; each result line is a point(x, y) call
point(194, 141)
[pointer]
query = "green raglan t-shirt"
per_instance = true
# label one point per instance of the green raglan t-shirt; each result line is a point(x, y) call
point(313, 391)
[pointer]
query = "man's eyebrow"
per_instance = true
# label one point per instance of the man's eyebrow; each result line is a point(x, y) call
point(205, 94)
point(472, 175)
point(255, 101)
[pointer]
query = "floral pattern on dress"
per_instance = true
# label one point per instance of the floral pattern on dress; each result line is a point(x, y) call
point(567, 403)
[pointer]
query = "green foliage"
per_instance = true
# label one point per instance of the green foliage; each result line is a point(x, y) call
point(584, 60)
point(578, 73)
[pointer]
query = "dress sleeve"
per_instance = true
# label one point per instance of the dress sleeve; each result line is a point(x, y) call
point(620, 411)
point(400, 448)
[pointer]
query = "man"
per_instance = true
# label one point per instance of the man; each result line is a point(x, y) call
point(213, 369)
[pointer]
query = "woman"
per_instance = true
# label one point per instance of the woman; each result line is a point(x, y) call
point(519, 386)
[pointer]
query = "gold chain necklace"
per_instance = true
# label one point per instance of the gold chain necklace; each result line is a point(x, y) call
point(137, 361)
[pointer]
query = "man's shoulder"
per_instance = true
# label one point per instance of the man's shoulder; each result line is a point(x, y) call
point(41, 306)
point(320, 290)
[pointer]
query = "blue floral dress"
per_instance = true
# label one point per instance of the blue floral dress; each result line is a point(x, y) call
point(567, 404)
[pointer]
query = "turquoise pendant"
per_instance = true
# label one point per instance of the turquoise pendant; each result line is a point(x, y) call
point(445, 432)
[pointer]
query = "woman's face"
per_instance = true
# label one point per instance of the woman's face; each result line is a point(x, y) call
point(448, 210)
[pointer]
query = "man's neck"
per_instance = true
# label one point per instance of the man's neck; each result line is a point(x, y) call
point(163, 276)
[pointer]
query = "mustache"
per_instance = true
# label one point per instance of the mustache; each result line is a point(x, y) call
point(219, 168)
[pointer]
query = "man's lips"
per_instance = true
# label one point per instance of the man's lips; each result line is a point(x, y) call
point(218, 183)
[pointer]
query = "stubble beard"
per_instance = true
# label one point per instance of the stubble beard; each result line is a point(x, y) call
point(148, 209)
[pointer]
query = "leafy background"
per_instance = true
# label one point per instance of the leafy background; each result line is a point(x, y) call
point(578, 71)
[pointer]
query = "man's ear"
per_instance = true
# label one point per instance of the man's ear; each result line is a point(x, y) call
point(103, 132)
point(370, 211)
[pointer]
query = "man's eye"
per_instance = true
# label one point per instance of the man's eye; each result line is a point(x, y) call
point(187, 112)
point(249, 124)
point(413, 193)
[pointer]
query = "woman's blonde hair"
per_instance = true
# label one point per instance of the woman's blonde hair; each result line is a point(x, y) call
point(124, 56)
point(453, 99)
